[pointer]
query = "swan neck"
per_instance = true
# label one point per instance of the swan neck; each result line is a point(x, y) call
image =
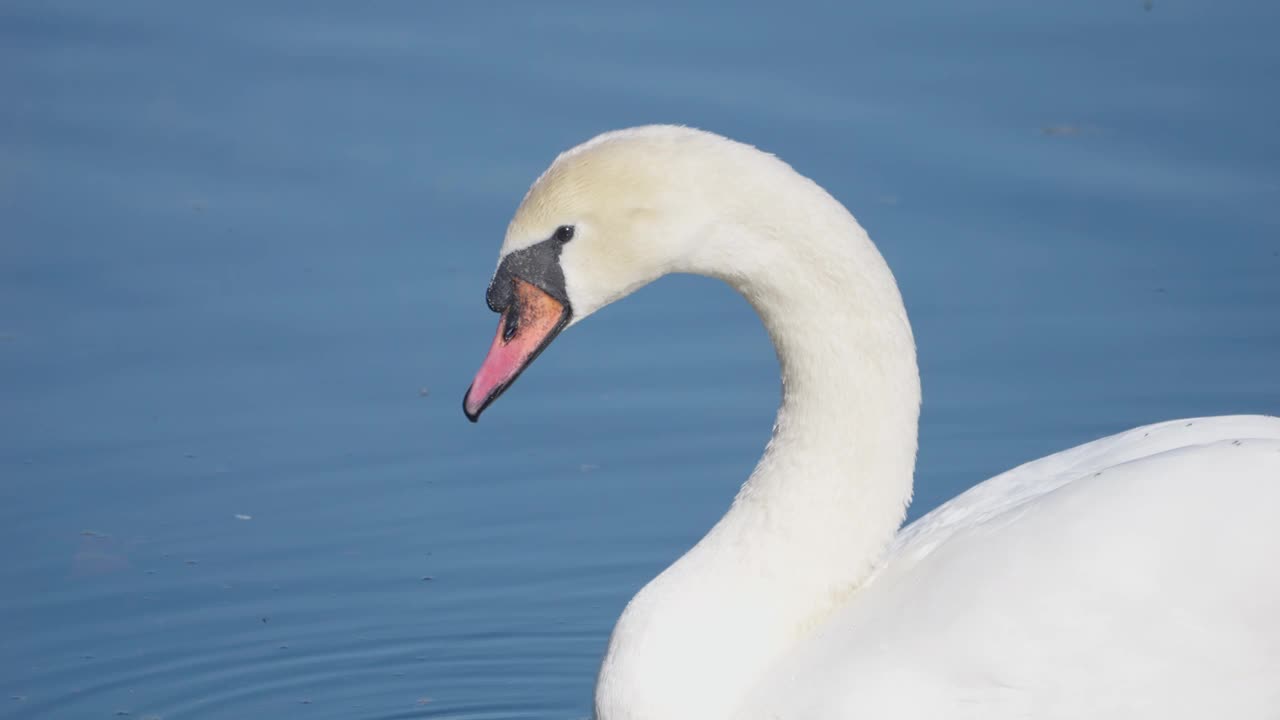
point(834, 482)
point(832, 487)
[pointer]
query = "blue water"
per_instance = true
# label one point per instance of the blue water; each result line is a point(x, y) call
point(243, 253)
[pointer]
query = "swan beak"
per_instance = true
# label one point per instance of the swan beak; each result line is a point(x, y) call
point(529, 323)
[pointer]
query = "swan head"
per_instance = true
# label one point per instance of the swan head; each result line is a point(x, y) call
point(606, 218)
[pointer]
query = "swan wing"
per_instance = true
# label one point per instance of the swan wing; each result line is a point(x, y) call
point(1133, 576)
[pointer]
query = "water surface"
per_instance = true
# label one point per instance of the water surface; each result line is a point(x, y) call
point(243, 251)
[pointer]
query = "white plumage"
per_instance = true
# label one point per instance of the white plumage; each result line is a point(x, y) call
point(1137, 576)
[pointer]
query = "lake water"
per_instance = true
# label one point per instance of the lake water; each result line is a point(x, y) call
point(243, 255)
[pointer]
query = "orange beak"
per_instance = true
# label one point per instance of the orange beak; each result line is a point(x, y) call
point(528, 324)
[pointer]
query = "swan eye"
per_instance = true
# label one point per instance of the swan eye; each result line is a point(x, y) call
point(564, 234)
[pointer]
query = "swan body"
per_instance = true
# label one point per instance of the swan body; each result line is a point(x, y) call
point(1124, 578)
point(1134, 576)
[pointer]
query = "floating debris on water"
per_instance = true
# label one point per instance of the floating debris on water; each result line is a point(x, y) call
point(242, 516)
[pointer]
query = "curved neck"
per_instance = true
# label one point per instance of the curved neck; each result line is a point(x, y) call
point(832, 487)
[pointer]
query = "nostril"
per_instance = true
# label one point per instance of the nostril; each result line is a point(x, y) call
point(511, 324)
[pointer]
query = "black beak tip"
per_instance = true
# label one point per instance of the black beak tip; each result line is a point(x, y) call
point(473, 417)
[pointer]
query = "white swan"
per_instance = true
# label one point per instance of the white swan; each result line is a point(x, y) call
point(1137, 576)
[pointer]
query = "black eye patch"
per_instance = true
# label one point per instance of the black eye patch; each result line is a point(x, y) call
point(538, 265)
